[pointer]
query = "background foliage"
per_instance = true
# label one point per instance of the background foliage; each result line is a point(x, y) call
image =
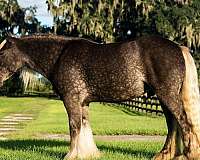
point(21, 21)
point(116, 20)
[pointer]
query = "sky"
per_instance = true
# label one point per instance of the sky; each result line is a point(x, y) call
point(42, 14)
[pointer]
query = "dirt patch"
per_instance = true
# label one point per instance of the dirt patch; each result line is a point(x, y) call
point(108, 138)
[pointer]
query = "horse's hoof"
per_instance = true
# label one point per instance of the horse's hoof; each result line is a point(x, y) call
point(70, 155)
point(74, 155)
point(163, 155)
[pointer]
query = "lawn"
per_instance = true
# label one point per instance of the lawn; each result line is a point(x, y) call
point(30, 149)
point(50, 118)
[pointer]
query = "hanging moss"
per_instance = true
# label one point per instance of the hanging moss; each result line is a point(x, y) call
point(110, 20)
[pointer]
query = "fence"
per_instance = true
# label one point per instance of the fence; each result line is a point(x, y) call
point(142, 104)
point(148, 105)
point(49, 94)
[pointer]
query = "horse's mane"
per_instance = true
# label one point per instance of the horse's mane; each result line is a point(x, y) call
point(58, 38)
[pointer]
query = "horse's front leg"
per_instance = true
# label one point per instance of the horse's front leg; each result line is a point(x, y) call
point(81, 138)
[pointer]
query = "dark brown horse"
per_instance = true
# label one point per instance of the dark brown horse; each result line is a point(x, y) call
point(82, 71)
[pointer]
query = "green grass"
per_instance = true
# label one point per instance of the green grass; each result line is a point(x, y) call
point(105, 120)
point(21, 105)
point(55, 150)
point(50, 117)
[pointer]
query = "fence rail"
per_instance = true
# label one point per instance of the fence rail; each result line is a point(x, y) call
point(40, 94)
point(143, 104)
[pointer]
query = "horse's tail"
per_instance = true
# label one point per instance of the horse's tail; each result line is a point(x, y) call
point(190, 91)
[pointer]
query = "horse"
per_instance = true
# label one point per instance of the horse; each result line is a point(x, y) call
point(82, 71)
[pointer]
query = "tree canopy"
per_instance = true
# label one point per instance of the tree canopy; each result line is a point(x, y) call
point(17, 20)
point(116, 20)
point(14, 19)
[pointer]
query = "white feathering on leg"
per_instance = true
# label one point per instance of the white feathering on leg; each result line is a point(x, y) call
point(85, 146)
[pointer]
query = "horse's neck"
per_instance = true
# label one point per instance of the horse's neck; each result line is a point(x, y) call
point(42, 55)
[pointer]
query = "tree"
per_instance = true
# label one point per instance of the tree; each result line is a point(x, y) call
point(33, 81)
point(14, 19)
point(21, 21)
point(83, 18)
point(116, 20)
point(179, 22)
point(14, 86)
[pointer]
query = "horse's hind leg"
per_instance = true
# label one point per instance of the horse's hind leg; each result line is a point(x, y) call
point(81, 138)
point(181, 96)
point(191, 144)
point(172, 146)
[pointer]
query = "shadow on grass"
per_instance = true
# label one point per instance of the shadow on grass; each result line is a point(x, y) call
point(127, 110)
point(47, 147)
point(132, 112)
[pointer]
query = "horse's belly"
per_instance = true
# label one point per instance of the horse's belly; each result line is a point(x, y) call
point(119, 80)
point(117, 90)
